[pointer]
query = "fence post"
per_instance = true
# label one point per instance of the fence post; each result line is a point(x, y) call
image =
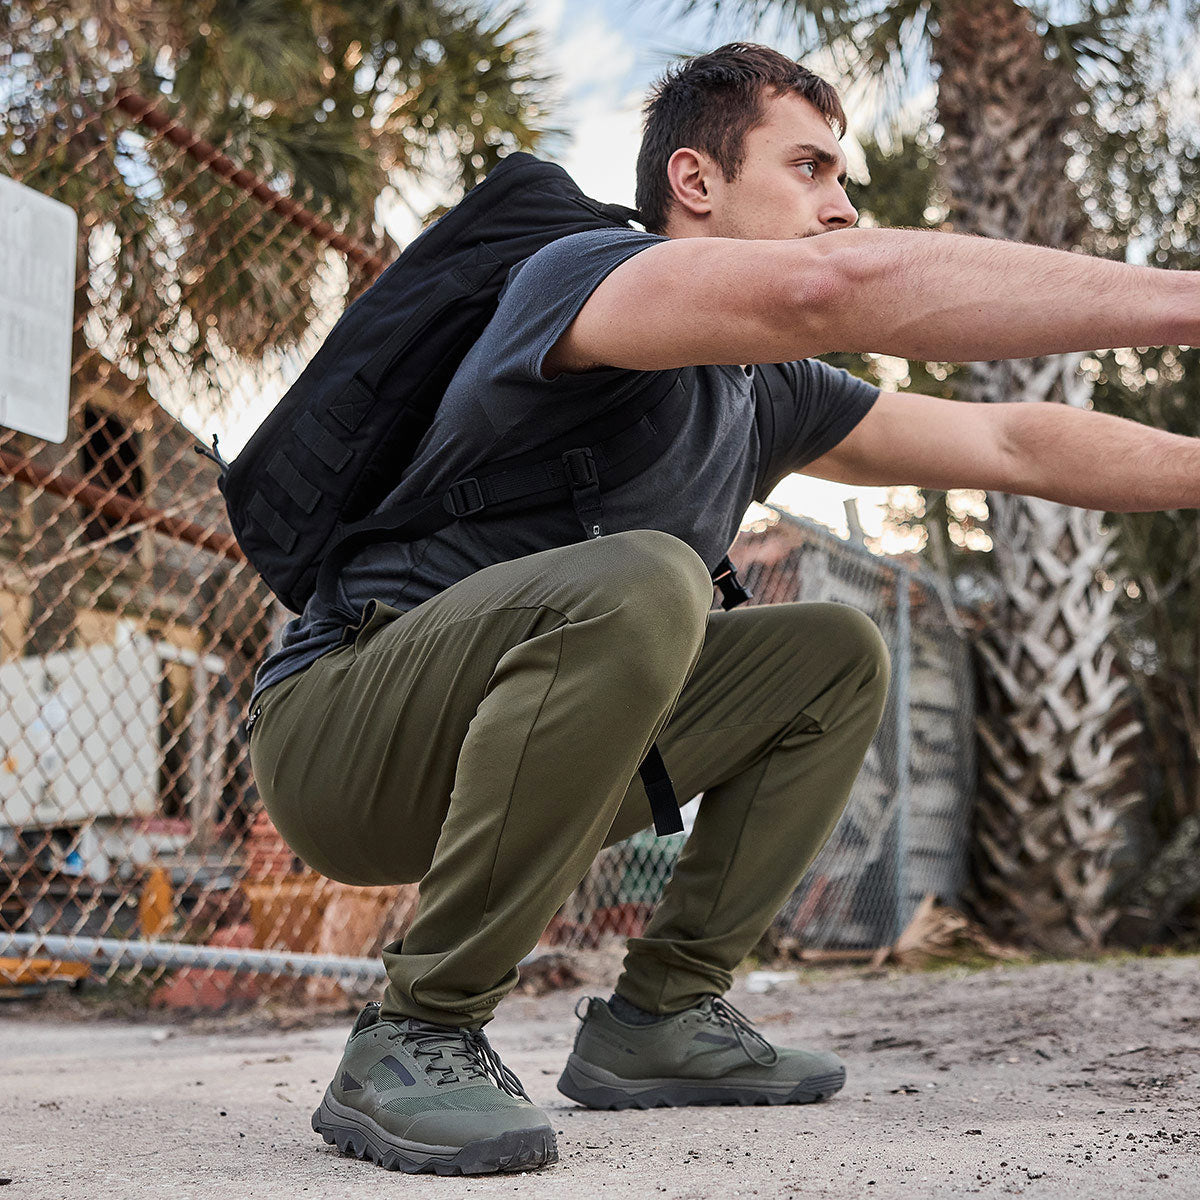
point(901, 679)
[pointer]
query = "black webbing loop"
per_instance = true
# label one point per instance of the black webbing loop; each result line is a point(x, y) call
point(322, 443)
point(280, 532)
point(732, 592)
point(659, 791)
point(306, 495)
point(584, 482)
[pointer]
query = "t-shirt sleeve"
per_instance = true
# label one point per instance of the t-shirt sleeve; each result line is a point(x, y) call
point(544, 294)
point(806, 408)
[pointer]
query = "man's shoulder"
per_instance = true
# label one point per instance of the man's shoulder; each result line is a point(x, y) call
point(580, 253)
point(541, 296)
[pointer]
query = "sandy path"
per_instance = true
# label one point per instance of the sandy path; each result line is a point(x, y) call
point(1056, 1081)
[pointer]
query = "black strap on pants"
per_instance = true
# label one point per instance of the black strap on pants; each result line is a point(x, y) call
point(660, 791)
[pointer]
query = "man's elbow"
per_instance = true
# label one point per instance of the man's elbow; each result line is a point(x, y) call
point(824, 280)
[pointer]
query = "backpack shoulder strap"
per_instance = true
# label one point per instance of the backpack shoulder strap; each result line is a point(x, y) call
point(606, 454)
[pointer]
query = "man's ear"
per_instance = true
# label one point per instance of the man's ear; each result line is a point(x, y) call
point(687, 173)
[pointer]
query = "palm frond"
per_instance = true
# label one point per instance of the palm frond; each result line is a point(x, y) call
point(321, 100)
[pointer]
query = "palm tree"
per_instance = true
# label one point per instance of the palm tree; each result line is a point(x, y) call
point(1025, 97)
point(1160, 632)
point(328, 102)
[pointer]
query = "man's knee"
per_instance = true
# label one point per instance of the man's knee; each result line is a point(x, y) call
point(864, 642)
point(654, 570)
point(655, 600)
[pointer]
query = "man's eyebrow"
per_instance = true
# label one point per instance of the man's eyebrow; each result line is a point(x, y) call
point(822, 156)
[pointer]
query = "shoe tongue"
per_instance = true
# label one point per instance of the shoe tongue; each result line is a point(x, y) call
point(369, 1016)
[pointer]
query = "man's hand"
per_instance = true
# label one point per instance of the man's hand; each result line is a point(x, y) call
point(1074, 456)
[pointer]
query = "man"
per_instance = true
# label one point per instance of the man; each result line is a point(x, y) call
point(481, 728)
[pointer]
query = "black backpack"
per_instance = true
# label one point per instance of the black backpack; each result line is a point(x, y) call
point(302, 494)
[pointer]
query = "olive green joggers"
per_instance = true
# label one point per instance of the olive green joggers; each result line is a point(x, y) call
point(486, 744)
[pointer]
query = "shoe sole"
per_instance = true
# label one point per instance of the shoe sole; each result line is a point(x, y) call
point(594, 1087)
point(356, 1134)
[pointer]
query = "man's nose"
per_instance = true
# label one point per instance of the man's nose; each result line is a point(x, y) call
point(839, 213)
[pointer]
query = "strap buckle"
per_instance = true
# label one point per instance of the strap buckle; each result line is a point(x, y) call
point(465, 497)
point(584, 481)
point(581, 468)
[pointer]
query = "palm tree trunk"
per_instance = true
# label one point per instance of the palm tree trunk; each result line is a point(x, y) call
point(1055, 710)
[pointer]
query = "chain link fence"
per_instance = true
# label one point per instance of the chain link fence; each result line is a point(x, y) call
point(133, 846)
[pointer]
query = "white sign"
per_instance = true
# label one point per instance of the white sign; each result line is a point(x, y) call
point(37, 309)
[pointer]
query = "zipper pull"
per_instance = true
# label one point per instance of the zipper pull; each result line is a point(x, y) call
point(249, 722)
point(215, 456)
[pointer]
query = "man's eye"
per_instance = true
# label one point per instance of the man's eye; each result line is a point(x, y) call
point(808, 163)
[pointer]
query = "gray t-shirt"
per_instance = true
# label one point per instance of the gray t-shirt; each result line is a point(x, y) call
point(698, 490)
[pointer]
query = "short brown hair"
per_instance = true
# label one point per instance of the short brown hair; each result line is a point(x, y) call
point(710, 102)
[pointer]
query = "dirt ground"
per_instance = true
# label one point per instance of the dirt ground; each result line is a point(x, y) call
point(1056, 1081)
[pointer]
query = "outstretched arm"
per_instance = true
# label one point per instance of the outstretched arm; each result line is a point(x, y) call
point(947, 297)
point(934, 297)
point(1074, 456)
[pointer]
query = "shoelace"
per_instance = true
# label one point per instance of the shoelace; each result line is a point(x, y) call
point(470, 1054)
point(725, 1014)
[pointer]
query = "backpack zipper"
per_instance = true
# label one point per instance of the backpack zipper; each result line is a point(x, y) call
point(252, 718)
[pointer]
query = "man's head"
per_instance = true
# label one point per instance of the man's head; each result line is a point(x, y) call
point(740, 143)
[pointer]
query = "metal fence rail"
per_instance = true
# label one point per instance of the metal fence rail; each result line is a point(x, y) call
point(131, 834)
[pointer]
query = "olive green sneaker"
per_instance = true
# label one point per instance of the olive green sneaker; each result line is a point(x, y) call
point(413, 1097)
point(709, 1054)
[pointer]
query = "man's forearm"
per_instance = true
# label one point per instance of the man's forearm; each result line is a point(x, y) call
point(943, 297)
point(1093, 460)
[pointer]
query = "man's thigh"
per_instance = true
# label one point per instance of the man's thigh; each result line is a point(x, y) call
point(763, 668)
point(357, 761)
point(356, 764)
